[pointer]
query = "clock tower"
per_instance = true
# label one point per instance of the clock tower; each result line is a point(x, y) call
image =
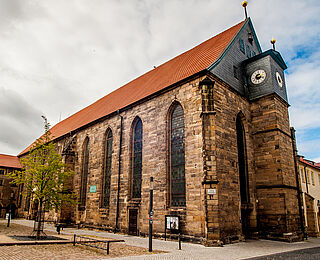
point(276, 183)
point(265, 75)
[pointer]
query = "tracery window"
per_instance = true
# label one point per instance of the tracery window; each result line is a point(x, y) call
point(84, 174)
point(107, 169)
point(177, 158)
point(137, 159)
point(242, 161)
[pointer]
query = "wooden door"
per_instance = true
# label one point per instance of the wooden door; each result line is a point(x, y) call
point(133, 220)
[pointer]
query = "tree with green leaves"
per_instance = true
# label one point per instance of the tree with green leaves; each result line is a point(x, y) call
point(43, 177)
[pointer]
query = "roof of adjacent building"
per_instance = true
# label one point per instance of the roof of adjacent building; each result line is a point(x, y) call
point(171, 72)
point(309, 163)
point(9, 161)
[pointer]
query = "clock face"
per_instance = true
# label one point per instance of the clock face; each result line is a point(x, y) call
point(279, 79)
point(258, 76)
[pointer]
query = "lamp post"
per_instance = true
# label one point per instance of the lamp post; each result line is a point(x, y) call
point(10, 208)
point(150, 214)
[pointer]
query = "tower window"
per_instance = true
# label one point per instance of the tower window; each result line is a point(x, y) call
point(236, 72)
point(250, 37)
point(248, 52)
point(241, 44)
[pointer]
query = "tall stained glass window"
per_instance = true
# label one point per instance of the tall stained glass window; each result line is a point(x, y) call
point(177, 158)
point(84, 174)
point(242, 160)
point(137, 159)
point(107, 169)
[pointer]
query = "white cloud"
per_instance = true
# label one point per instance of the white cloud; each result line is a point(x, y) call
point(60, 56)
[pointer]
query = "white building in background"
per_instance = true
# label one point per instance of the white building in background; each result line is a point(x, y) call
point(310, 181)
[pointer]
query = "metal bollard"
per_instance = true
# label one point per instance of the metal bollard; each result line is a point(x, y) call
point(108, 247)
point(74, 239)
point(179, 239)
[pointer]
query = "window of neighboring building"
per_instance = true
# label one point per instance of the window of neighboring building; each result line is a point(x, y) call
point(308, 177)
point(302, 176)
point(177, 157)
point(241, 44)
point(137, 159)
point(84, 173)
point(107, 168)
point(312, 178)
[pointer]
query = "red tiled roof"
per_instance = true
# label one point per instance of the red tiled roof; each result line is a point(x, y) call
point(316, 165)
point(10, 161)
point(183, 66)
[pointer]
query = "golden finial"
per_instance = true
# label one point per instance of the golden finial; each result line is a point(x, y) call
point(244, 4)
point(273, 41)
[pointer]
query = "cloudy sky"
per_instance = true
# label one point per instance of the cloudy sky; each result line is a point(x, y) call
point(58, 56)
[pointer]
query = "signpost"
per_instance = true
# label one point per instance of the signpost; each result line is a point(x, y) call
point(150, 214)
point(93, 188)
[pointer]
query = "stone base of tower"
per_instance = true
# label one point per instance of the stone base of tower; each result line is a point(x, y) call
point(278, 219)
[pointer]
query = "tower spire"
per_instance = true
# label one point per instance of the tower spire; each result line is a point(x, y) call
point(244, 4)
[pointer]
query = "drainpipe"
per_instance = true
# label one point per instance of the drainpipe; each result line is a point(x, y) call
point(119, 172)
point(294, 150)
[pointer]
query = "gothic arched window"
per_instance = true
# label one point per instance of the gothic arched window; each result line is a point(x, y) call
point(177, 157)
point(242, 160)
point(84, 173)
point(107, 168)
point(137, 158)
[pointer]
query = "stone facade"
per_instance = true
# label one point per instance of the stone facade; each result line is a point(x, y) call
point(211, 156)
point(239, 168)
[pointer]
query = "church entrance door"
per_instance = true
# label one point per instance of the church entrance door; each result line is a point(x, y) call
point(133, 220)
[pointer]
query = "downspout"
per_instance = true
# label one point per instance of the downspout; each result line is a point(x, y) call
point(294, 150)
point(119, 172)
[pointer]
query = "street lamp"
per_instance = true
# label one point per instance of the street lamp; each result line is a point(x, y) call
point(10, 208)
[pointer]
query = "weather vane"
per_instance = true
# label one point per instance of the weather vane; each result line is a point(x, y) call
point(273, 41)
point(244, 4)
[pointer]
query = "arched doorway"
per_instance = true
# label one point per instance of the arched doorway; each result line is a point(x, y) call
point(243, 176)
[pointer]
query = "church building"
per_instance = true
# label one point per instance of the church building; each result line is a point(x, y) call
point(211, 127)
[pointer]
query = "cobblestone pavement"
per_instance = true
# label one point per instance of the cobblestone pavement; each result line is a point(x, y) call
point(243, 250)
point(37, 252)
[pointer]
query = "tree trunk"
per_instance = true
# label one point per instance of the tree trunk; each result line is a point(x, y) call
point(39, 219)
